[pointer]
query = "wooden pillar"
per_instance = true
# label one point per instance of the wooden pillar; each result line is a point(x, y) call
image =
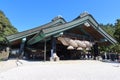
point(53, 46)
point(96, 50)
point(45, 50)
point(54, 56)
point(21, 50)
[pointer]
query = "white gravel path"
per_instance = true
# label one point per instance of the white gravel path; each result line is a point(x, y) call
point(63, 70)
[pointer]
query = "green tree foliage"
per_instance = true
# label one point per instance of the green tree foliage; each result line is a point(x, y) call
point(109, 28)
point(115, 48)
point(6, 28)
point(117, 30)
point(114, 31)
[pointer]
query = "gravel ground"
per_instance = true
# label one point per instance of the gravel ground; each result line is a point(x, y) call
point(62, 70)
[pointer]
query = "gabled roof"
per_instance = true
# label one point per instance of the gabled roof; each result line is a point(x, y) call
point(86, 18)
point(59, 25)
point(56, 21)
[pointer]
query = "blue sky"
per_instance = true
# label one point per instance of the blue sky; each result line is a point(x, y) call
point(27, 14)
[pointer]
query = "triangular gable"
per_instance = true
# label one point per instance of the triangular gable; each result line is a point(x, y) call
point(51, 31)
point(56, 21)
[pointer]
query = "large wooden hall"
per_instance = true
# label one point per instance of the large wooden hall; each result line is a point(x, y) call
point(61, 40)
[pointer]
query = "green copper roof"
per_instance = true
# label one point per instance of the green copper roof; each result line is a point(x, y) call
point(36, 30)
point(61, 28)
point(57, 26)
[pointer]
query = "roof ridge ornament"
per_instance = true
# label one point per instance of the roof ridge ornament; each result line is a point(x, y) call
point(57, 17)
point(84, 14)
